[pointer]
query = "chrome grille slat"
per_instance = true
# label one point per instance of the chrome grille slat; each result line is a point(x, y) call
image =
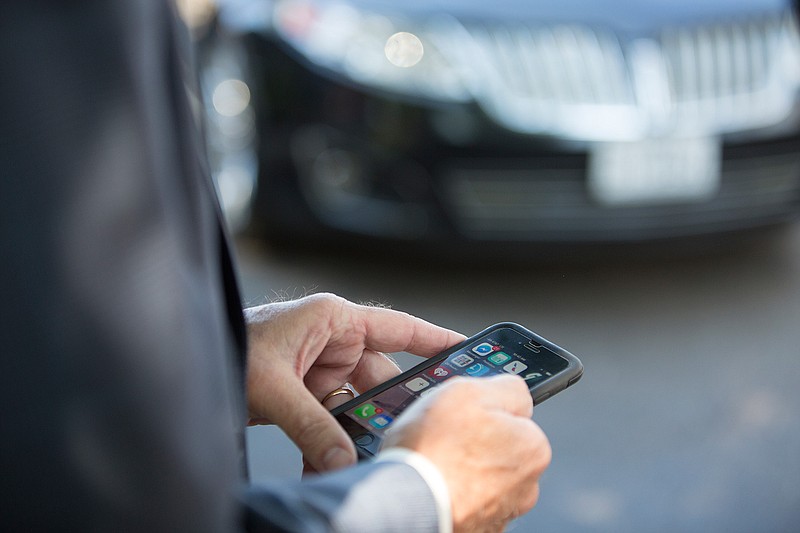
point(528, 65)
point(548, 48)
point(741, 67)
point(568, 53)
point(724, 61)
point(500, 41)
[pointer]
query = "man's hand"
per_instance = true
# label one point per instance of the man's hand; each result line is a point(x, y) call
point(478, 432)
point(301, 350)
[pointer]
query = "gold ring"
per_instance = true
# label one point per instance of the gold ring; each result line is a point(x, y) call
point(336, 392)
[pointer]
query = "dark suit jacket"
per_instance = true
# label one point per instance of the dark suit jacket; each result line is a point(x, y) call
point(121, 334)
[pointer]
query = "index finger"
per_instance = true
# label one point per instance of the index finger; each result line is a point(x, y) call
point(387, 330)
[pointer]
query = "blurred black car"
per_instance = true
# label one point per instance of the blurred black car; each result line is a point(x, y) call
point(446, 121)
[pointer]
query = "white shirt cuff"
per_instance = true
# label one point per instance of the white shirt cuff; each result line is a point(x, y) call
point(430, 473)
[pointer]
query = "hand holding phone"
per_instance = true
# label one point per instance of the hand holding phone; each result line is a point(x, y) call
point(473, 430)
point(476, 430)
point(505, 348)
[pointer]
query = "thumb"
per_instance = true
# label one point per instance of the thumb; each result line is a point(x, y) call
point(323, 442)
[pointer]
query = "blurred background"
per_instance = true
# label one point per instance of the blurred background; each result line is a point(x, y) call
point(621, 176)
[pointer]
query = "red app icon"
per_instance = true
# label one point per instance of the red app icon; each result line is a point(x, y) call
point(439, 372)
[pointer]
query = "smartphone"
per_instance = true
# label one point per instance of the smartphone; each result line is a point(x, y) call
point(503, 348)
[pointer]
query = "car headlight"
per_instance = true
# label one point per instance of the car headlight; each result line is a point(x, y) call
point(373, 49)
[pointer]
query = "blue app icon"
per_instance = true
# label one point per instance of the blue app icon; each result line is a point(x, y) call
point(477, 370)
point(483, 349)
point(381, 421)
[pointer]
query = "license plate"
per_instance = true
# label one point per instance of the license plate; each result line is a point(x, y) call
point(655, 171)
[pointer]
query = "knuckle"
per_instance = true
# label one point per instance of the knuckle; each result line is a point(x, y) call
point(465, 385)
point(460, 389)
point(542, 451)
point(325, 300)
point(517, 384)
point(546, 454)
point(530, 499)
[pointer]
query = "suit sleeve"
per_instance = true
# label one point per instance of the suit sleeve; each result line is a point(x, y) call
point(386, 497)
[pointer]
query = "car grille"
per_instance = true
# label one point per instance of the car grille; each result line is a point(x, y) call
point(547, 203)
point(564, 64)
point(737, 72)
point(585, 83)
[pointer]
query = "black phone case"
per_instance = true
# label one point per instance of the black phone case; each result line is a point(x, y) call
point(539, 392)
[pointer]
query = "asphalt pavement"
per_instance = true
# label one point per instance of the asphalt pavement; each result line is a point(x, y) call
point(686, 419)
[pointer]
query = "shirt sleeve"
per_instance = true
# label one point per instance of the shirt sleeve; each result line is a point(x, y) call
point(432, 476)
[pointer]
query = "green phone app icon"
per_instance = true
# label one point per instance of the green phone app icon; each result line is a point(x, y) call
point(365, 411)
point(499, 358)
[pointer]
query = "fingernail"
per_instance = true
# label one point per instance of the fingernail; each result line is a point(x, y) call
point(336, 458)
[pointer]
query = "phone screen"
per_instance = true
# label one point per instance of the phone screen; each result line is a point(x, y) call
point(501, 351)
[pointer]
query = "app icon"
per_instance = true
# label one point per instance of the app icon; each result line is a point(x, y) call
point(515, 367)
point(483, 349)
point(366, 410)
point(499, 358)
point(439, 372)
point(381, 421)
point(417, 384)
point(477, 370)
point(462, 360)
